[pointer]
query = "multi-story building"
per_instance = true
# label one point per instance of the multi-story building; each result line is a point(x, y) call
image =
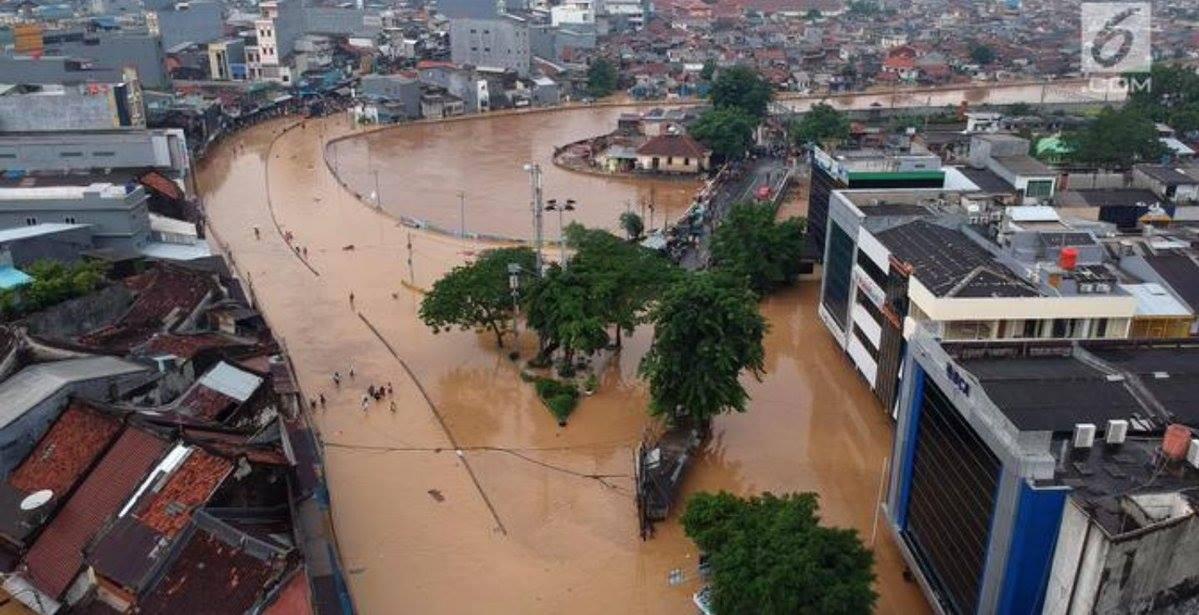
point(89, 106)
point(227, 60)
point(118, 214)
point(501, 42)
point(280, 24)
point(164, 150)
point(1049, 477)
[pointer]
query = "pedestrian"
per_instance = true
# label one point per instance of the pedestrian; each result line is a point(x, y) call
point(322, 397)
point(305, 251)
point(365, 402)
point(351, 371)
point(312, 402)
point(351, 299)
point(257, 233)
point(390, 391)
point(337, 379)
point(370, 390)
point(393, 406)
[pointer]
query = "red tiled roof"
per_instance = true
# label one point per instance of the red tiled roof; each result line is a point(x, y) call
point(189, 487)
point(67, 451)
point(204, 403)
point(293, 599)
point(57, 555)
point(161, 293)
point(186, 346)
point(682, 146)
point(208, 569)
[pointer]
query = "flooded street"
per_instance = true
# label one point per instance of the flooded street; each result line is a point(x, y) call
point(525, 517)
point(421, 169)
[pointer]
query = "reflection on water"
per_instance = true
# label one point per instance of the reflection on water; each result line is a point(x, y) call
point(571, 543)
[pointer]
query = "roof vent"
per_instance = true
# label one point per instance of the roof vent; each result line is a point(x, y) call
point(1193, 453)
point(1084, 435)
point(1114, 377)
point(1161, 375)
point(1117, 430)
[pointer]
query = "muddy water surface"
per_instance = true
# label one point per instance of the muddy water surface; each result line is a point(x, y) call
point(468, 497)
point(423, 167)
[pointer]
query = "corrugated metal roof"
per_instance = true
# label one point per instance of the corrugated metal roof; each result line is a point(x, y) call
point(1155, 300)
point(229, 380)
point(35, 383)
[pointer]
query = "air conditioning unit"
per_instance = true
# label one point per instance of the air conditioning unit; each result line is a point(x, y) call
point(1084, 435)
point(1193, 453)
point(1117, 430)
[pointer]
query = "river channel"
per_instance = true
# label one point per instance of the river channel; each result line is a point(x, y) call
point(468, 497)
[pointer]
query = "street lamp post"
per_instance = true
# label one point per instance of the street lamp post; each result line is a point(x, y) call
point(534, 171)
point(569, 205)
point(462, 214)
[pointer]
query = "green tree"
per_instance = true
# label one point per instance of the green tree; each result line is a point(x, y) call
point(708, 70)
point(822, 125)
point(741, 87)
point(477, 295)
point(751, 245)
point(602, 77)
point(728, 131)
point(560, 307)
point(622, 278)
point(1020, 110)
point(813, 14)
point(707, 330)
point(769, 555)
point(981, 54)
point(632, 224)
point(1173, 96)
point(1116, 140)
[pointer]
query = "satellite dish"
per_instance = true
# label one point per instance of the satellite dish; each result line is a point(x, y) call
point(36, 500)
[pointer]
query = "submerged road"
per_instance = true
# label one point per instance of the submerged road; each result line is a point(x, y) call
point(469, 497)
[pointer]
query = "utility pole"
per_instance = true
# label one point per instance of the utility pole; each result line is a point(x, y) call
point(378, 193)
point(534, 171)
point(411, 270)
point(462, 214)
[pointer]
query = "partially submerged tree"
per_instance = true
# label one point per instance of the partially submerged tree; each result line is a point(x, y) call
point(743, 88)
point(821, 125)
point(560, 307)
point(769, 555)
point(477, 295)
point(632, 224)
point(751, 245)
point(728, 131)
point(707, 330)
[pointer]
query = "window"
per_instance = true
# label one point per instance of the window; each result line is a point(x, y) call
point(1041, 188)
point(8, 156)
point(873, 270)
point(968, 330)
point(686, 162)
point(1101, 328)
point(866, 343)
point(1031, 328)
point(71, 154)
point(1061, 328)
point(670, 160)
point(104, 154)
point(30, 221)
point(69, 219)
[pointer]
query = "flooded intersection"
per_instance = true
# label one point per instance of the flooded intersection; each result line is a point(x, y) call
point(528, 517)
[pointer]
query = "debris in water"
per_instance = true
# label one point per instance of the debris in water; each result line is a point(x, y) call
point(436, 494)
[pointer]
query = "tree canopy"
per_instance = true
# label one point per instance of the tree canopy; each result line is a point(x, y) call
point(1173, 97)
point(561, 308)
point(728, 131)
point(706, 331)
point(1116, 139)
point(823, 125)
point(632, 225)
point(751, 245)
point(53, 282)
point(981, 54)
point(477, 295)
point(769, 555)
point(602, 77)
point(741, 87)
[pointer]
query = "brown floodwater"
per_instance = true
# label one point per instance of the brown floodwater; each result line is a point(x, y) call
point(422, 168)
point(528, 517)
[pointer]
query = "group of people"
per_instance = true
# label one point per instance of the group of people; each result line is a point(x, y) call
point(378, 393)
